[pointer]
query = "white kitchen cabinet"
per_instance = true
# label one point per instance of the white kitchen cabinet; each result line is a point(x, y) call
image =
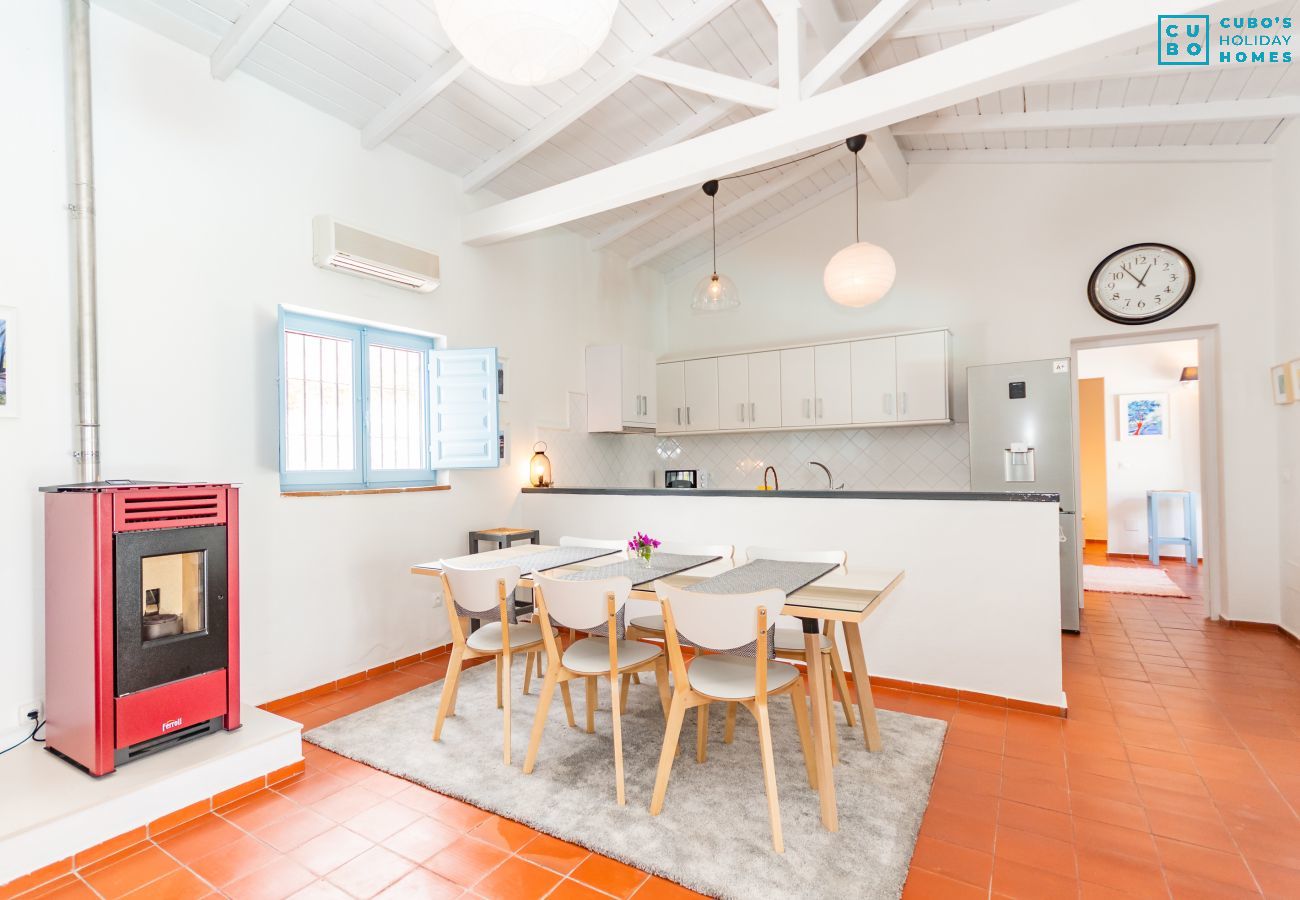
point(922, 366)
point(700, 381)
point(733, 392)
point(670, 389)
point(764, 390)
point(620, 389)
point(875, 381)
point(832, 403)
point(798, 387)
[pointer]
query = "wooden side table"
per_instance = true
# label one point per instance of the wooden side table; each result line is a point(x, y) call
point(1188, 539)
point(502, 537)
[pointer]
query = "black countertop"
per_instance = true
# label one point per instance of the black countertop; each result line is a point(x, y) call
point(805, 495)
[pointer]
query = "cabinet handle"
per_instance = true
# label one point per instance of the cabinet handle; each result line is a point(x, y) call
point(645, 405)
point(751, 411)
point(819, 407)
point(688, 415)
point(640, 403)
point(807, 408)
point(740, 412)
point(679, 415)
point(902, 403)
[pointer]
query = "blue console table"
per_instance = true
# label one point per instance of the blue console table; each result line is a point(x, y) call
point(1188, 539)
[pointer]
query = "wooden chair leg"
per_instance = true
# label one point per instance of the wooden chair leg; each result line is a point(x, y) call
point(497, 662)
point(568, 703)
point(661, 680)
point(769, 772)
point(539, 721)
point(830, 718)
point(591, 705)
point(636, 677)
point(615, 706)
point(626, 681)
point(676, 713)
point(729, 733)
point(528, 669)
point(505, 705)
point(842, 684)
point(702, 732)
point(449, 684)
point(800, 700)
point(540, 654)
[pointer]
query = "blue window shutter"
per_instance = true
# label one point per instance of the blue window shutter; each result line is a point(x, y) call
point(463, 406)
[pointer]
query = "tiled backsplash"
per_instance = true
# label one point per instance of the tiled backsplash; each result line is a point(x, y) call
point(927, 457)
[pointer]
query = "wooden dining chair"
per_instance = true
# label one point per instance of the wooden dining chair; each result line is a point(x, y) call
point(790, 641)
point(740, 669)
point(486, 595)
point(596, 607)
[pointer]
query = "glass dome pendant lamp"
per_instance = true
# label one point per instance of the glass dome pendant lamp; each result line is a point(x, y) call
point(861, 273)
point(714, 292)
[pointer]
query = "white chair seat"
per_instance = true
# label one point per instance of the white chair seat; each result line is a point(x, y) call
point(591, 655)
point(732, 677)
point(790, 640)
point(488, 638)
point(649, 623)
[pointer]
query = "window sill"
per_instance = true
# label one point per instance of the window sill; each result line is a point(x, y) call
point(351, 491)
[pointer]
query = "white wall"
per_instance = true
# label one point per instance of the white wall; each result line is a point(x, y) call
point(1001, 255)
point(1172, 463)
point(1288, 348)
point(205, 195)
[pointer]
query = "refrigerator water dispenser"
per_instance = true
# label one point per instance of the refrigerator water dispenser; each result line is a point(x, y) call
point(1019, 463)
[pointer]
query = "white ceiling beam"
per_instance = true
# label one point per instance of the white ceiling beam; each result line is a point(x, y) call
point(417, 96)
point(1106, 117)
point(252, 25)
point(1004, 58)
point(825, 22)
point(788, 214)
point(745, 201)
point(699, 15)
point(883, 159)
point(852, 46)
point(653, 210)
point(988, 14)
point(1159, 155)
point(703, 118)
point(789, 31)
point(1132, 65)
point(706, 81)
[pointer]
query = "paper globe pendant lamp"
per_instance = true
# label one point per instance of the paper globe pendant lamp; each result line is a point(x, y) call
point(526, 42)
point(861, 273)
point(714, 292)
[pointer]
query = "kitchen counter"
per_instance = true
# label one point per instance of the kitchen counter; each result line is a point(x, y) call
point(979, 610)
point(1014, 497)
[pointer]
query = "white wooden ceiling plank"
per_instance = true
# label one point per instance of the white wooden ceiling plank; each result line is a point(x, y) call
point(860, 38)
point(1087, 95)
point(1262, 82)
point(229, 10)
point(734, 35)
point(1230, 133)
point(271, 57)
point(499, 97)
point(328, 66)
point(1165, 91)
point(1150, 136)
point(195, 27)
point(1060, 96)
point(1036, 140)
point(1230, 84)
point(1176, 135)
point(1014, 139)
point(1035, 98)
point(416, 17)
point(247, 32)
point(946, 18)
point(374, 27)
point(1140, 91)
point(1112, 92)
point(1259, 132)
point(1155, 155)
point(1203, 133)
point(1273, 107)
point(495, 120)
point(358, 57)
point(255, 64)
point(464, 128)
point(441, 153)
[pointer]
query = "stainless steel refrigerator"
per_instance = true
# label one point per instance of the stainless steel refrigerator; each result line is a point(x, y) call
point(1021, 439)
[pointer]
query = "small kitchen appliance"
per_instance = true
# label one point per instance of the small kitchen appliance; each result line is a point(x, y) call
point(681, 478)
point(141, 618)
point(1021, 439)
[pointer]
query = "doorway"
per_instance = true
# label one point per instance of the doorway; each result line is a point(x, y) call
point(1147, 485)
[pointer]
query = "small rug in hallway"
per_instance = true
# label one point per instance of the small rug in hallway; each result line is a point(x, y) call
point(713, 833)
point(1130, 580)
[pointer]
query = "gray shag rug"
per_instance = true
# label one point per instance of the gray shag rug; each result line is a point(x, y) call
point(713, 833)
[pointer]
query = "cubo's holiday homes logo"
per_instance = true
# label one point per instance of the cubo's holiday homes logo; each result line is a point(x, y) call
point(1251, 40)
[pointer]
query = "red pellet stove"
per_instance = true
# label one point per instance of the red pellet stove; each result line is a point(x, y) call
point(141, 618)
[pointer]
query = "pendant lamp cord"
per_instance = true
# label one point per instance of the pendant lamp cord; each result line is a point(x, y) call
point(714, 216)
point(857, 215)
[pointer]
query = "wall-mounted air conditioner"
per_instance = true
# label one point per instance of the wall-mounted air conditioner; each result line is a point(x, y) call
point(346, 249)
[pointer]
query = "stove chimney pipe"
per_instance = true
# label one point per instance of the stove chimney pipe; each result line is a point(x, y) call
point(82, 208)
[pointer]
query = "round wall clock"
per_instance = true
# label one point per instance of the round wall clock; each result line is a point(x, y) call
point(1141, 283)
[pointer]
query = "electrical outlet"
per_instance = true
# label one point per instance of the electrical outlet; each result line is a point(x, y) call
point(30, 713)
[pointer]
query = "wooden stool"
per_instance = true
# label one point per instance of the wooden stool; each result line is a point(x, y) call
point(502, 537)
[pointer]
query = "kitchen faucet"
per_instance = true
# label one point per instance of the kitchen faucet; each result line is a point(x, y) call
point(830, 482)
point(776, 484)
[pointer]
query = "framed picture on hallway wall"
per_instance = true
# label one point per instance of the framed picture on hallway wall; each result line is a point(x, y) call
point(8, 362)
point(1143, 417)
point(1283, 378)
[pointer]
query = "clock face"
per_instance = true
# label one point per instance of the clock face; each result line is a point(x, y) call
point(1141, 283)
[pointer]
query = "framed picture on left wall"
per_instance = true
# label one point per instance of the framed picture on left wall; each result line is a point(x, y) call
point(8, 362)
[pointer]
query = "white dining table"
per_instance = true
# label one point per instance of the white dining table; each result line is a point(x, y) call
point(848, 597)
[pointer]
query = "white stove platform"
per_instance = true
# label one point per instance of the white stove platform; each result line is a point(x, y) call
point(51, 809)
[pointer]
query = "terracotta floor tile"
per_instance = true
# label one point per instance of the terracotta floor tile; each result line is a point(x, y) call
point(1140, 878)
point(130, 872)
point(66, 889)
point(346, 803)
point(259, 810)
point(1014, 879)
point(275, 881)
point(294, 830)
point(421, 884)
point(233, 861)
point(953, 861)
point(331, 849)
point(421, 839)
point(608, 875)
point(569, 889)
point(656, 888)
point(504, 834)
point(517, 879)
point(385, 818)
point(465, 861)
point(421, 799)
point(321, 890)
point(199, 838)
point(956, 828)
point(553, 853)
point(181, 884)
point(1033, 792)
point(371, 872)
point(1030, 849)
point(1204, 863)
point(1276, 881)
point(460, 816)
point(1201, 832)
point(923, 885)
point(1110, 812)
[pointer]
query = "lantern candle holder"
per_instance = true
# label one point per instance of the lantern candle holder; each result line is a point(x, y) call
point(539, 467)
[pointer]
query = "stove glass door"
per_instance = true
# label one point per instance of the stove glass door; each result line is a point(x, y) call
point(173, 595)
